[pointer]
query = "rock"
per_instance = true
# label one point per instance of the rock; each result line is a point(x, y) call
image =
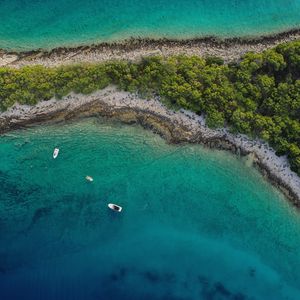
point(175, 127)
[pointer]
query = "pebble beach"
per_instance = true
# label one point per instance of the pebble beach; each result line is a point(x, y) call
point(175, 126)
point(134, 49)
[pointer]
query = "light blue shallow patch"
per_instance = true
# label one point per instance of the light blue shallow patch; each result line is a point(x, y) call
point(30, 24)
point(196, 223)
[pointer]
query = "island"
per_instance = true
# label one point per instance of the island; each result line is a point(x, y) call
point(248, 104)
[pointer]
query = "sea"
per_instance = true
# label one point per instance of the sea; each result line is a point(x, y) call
point(196, 223)
point(32, 24)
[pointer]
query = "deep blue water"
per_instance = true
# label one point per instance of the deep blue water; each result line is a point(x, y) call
point(29, 24)
point(196, 223)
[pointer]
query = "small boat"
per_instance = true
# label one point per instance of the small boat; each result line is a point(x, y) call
point(115, 207)
point(89, 178)
point(55, 152)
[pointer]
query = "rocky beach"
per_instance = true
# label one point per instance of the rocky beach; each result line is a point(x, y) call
point(185, 114)
point(175, 127)
point(134, 49)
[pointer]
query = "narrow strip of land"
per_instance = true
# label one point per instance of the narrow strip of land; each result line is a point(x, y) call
point(134, 49)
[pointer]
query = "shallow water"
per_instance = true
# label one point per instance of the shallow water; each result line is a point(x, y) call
point(30, 24)
point(196, 223)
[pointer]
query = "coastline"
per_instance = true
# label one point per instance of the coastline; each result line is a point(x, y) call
point(175, 127)
point(229, 49)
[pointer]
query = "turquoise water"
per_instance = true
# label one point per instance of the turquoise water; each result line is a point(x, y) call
point(196, 223)
point(30, 24)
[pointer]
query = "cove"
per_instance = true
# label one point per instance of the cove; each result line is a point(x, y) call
point(197, 223)
point(31, 24)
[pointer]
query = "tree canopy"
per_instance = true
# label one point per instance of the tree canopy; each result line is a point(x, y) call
point(258, 96)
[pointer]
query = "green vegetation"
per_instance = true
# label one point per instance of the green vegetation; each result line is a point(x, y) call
point(258, 96)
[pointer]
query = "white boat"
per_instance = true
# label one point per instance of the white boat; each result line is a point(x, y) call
point(89, 178)
point(55, 152)
point(115, 207)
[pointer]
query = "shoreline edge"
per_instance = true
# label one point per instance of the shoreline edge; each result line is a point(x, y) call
point(174, 127)
point(229, 49)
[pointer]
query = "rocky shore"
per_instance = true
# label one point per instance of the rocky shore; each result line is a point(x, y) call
point(175, 127)
point(134, 49)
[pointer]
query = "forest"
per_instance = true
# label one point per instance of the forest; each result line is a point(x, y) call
point(259, 95)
